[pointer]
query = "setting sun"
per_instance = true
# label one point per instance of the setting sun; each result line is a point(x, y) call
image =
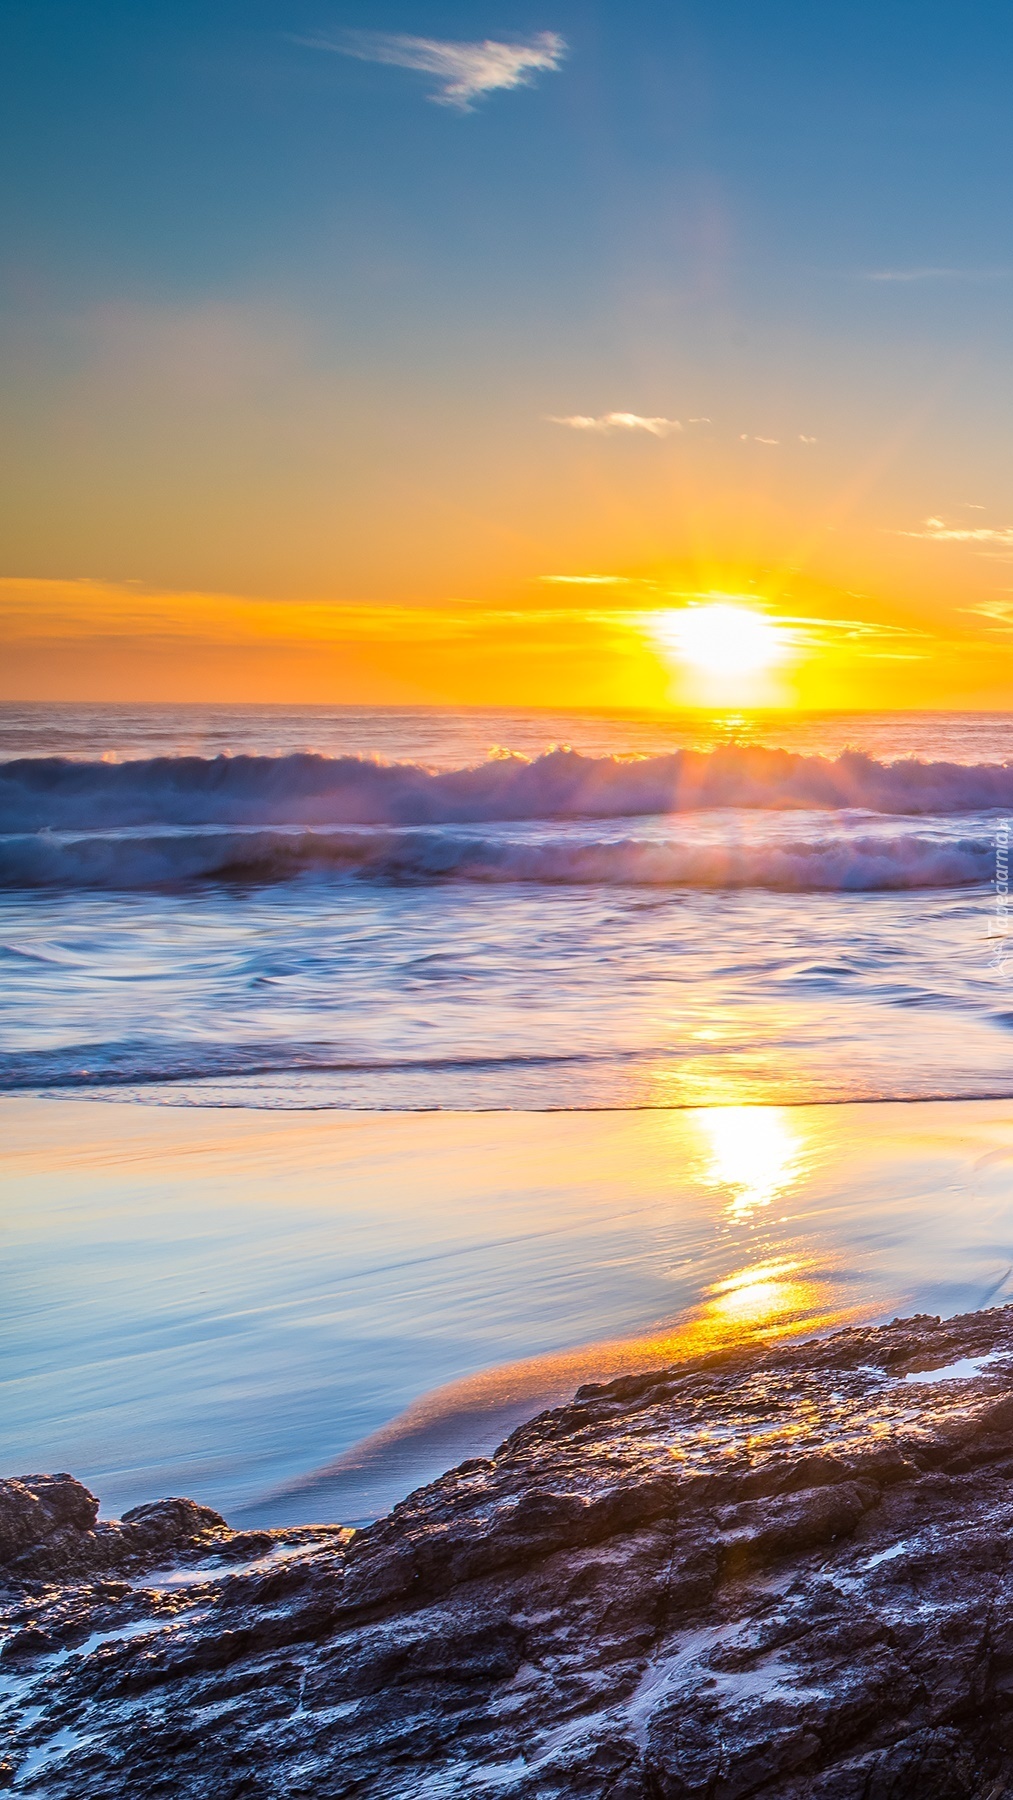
point(722, 639)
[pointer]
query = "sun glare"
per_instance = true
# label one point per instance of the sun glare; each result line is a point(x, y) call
point(755, 1155)
point(721, 639)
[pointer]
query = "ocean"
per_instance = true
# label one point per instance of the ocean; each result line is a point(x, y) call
point(373, 909)
point(370, 1078)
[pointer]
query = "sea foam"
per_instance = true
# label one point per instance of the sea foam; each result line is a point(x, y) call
point(804, 863)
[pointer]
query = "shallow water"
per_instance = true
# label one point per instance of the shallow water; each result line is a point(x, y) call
point(277, 937)
point(227, 1304)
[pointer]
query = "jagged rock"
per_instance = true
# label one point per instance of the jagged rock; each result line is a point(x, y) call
point(785, 1573)
point(36, 1506)
point(163, 1522)
point(49, 1528)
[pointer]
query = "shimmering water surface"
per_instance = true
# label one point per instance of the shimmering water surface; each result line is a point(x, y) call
point(218, 917)
point(421, 909)
point(297, 1316)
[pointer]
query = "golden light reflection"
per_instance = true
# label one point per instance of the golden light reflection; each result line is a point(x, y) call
point(760, 1303)
point(723, 1076)
point(762, 1295)
point(755, 1152)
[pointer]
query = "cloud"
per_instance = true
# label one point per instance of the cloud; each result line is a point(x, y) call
point(806, 440)
point(824, 633)
point(466, 72)
point(938, 532)
point(619, 421)
point(589, 580)
point(997, 612)
point(912, 275)
point(935, 274)
point(41, 612)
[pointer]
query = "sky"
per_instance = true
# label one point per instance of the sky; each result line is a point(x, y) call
point(428, 352)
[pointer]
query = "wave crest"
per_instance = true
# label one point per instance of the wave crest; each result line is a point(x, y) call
point(808, 864)
point(38, 793)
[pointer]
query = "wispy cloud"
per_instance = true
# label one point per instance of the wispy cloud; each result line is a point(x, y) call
point(937, 531)
point(999, 613)
point(620, 421)
point(931, 274)
point(466, 72)
point(588, 580)
point(820, 632)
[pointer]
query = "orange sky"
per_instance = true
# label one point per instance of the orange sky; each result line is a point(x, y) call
point(571, 642)
point(206, 509)
point(312, 389)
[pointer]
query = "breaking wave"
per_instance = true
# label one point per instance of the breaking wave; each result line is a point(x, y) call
point(804, 864)
point(59, 794)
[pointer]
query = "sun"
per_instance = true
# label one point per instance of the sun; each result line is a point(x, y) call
point(721, 639)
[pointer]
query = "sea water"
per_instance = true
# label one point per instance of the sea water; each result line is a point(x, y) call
point(675, 934)
point(377, 909)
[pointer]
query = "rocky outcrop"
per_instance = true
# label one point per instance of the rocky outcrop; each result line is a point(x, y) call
point(49, 1528)
point(782, 1573)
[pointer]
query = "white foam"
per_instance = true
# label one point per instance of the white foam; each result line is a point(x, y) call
point(885, 1556)
point(809, 862)
point(59, 1745)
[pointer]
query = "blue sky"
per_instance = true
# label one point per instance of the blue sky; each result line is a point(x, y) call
point(185, 147)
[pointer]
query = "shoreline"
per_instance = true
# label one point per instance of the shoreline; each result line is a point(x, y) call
point(338, 1308)
point(784, 1571)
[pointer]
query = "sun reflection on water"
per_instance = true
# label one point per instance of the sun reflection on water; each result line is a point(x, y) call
point(765, 1294)
point(756, 1153)
point(763, 1279)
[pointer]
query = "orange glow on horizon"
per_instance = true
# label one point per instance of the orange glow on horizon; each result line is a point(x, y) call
point(634, 642)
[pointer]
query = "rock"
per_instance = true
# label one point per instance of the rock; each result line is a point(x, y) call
point(29, 1641)
point(49, 1529)
point(783, 1573)
point(163, 1522)
point(33, 1507)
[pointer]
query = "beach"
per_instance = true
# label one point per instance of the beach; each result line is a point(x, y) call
point(458, 1185)
point(374, 1078)
point(506, 962)
point(295, 1316)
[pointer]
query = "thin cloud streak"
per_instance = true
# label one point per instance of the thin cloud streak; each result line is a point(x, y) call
point(605, 423)
point(467, 72)
point(938, 532)
point(588, 580)
point(935, 274)
point(998, 613)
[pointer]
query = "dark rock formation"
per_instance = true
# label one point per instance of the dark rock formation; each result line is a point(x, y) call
point(784, 1573)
